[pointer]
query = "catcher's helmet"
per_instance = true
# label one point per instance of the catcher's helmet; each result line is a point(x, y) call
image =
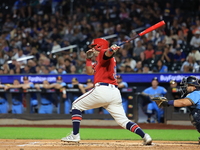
point(191, 80)
point(99, 44)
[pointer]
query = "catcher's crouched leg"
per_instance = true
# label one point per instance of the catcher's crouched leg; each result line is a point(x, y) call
point(195, 118)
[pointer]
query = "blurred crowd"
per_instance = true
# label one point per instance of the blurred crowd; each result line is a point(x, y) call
point(40, 27)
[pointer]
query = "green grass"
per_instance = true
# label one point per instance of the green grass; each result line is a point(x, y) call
point(95, 134)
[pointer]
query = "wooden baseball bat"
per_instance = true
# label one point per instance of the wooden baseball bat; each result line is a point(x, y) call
point(153, 27)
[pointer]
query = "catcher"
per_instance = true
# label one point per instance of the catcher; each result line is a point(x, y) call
point(190, 87)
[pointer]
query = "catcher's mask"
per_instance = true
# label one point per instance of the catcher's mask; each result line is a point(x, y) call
point(191, 80)
point(99, 44)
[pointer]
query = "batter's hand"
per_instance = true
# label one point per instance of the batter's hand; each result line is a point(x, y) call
point(89, 54)
point(161, 101)
point(114, 47)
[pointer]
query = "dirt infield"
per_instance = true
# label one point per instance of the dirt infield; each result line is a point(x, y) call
point(96, 145)
point(11, 144)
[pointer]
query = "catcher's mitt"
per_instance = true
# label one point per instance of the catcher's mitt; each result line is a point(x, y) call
point(160, 101)
point(89, 54)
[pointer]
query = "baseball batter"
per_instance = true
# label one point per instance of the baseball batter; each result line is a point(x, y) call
point(105, 92)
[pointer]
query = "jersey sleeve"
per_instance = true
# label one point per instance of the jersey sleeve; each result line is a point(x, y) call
point(32, 85)
point(194, 97)
point(146, 91)
point(63, 84)
point(69, 85)
point(164, 91)
point(125, 84)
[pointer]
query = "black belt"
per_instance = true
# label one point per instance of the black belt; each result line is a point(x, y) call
point(2, 103)
point(46, 104)
point(107, 84)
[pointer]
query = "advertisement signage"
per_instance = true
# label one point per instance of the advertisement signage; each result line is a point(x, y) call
point(131, 78)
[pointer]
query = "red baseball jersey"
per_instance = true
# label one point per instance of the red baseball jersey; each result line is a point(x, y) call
point(105, 70)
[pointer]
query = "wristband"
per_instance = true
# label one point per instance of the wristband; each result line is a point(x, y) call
point(111, 51)
point(171, 102)
point(64, 92)
point(88, 62)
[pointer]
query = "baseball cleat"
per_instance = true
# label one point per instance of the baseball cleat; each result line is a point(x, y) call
point(71, 138)
point(147, 139)
point(199, 140)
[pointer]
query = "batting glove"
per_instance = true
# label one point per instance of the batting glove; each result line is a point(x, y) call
point(114, 48)
point(89, 54)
